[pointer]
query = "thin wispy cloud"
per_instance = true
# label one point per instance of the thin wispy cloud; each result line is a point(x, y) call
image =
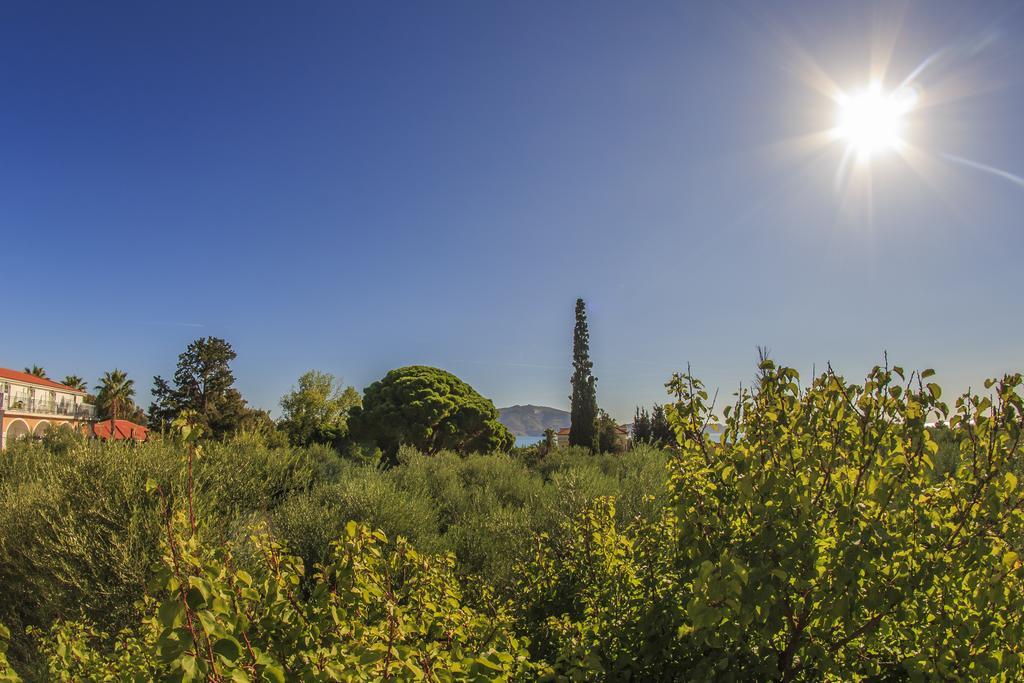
point(508, 364)
point(169, 323)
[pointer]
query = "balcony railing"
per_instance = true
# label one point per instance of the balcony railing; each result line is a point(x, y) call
point(39, 406)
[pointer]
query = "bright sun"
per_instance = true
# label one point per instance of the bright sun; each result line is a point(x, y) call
point(871, 121)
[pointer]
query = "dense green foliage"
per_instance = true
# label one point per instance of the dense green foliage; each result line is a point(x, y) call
point(827, 533)
point(114, 396)
point(430, 410)
point(374, 610)
point(606, 431)
point(74, 381)
point(317, 411)
point(204, 386)
point(583, 406)
point(79, 535)
point(816, 540)
point(652, 427)
point(7, 674)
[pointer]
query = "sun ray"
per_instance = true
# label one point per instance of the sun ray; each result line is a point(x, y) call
point(888, 21)
point(985, 168)
point(938, 178)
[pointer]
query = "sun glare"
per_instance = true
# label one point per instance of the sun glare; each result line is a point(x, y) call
point(872, 121)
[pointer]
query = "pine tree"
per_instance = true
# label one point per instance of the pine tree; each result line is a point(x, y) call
point(642, 431)
point(204, 384)
point(661, 430)
point(584, 384)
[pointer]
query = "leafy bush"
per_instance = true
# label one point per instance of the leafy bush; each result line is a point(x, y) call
point(310, 523)
point(815, 541)
point(7, 674)
point(78, 536)
point(376, 611)
point(77, 533)
point(820, 539)
point(602, 601)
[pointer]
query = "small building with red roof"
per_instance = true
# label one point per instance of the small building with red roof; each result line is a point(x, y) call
point(123, 430)
point(31, 405)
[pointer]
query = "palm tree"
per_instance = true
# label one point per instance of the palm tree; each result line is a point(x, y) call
point(115, 396)
point(74, 381)
point(36, 371)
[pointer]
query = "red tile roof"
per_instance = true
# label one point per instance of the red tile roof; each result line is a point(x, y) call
point(124, 430)
point(6, 373)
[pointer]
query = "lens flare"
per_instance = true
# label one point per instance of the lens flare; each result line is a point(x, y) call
point(872, 121)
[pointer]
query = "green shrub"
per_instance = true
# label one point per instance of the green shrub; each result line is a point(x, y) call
point(814, 541)
point(7, 674)
point(308, 523)
point(77, 533)
point(377, 611)
point(233, 482)
point(78, 536)
point(603, 601)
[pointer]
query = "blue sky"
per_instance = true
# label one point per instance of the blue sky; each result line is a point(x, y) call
point(358, 186)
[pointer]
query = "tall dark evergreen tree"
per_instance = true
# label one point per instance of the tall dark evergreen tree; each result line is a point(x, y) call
point(204, 384)
point(661, 430)
point(642, 432)
point(164, 407)
point(582, 432)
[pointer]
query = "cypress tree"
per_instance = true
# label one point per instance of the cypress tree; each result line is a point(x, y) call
point(582, 432)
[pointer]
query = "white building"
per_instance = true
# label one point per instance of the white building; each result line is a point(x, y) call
point(30, 405)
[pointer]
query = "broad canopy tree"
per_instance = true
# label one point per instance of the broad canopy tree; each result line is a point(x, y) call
point(317, 411)
point(429, 409)
point(607, 434)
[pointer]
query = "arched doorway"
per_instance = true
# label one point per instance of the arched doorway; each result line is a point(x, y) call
point(41, 428)
point(15, 431)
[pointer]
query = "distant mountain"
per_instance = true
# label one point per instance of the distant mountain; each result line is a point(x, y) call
point(532, 420)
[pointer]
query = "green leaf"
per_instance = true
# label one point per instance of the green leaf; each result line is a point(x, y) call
point(228, 648)
point(169, 613)
point(189, 667)
point(273, 673)
point(170, 647)
point(209, 622)
point(194, 598)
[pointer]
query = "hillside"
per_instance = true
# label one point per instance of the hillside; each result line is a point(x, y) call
point(532, 420)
